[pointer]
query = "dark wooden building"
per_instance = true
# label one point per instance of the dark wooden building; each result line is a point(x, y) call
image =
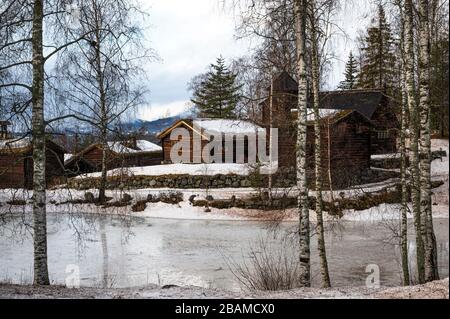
point(132, 153)
point(237, 131)
point(345, 147)
point(346, 133)
point(373, 104)
point(376, 107)
point(16, 163)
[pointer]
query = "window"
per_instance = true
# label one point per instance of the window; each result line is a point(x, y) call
point(382, 135)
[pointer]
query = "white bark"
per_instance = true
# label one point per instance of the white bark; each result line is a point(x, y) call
point(38, 126)
point(303, 209)
point(414, 136)
point(428, 236)
point(404, 161)
point(317, 150)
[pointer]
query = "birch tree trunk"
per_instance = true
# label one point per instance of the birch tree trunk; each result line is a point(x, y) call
point(317, 152)
point(38, 127)
point(404, 190)
point(102, 105)
point(414, 137)
point(303, 209)
point(428, 235)
point(271, 139)
point(404, 157)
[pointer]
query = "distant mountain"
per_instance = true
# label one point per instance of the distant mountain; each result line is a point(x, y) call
point(151, 127)
point(156, 126)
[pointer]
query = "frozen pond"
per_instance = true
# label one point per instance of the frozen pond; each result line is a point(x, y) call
point(133, 251)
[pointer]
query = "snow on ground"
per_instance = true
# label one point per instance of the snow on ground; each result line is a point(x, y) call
point(433, 290)
point(185, 210)
point(440, 171)
point(177, 169)
point(440, 167)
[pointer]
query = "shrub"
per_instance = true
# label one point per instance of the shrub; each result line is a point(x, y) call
point(271, 267)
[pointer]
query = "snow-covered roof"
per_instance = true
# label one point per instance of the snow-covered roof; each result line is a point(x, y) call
point(142, 145)
point(118, 147)
point(15, 143)
point(147, 146)
point(67, 157)
point(323, 113)
point(227, 126)
point(386, 156)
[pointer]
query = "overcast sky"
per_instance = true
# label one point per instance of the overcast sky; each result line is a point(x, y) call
point(188, 35)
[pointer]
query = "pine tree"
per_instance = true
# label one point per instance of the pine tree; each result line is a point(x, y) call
point(351, 74)
point(217, 95)
point(378, 59)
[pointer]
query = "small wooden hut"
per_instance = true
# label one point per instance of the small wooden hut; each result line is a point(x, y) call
point(132, 153)
point(16, 162)
point(203, 130)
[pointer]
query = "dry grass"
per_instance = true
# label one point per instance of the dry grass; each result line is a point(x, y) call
point(268, 268)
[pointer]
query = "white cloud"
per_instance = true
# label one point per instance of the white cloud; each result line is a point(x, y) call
point(190, 34)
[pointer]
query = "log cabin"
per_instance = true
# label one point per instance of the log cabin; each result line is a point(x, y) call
point(373, 104)
point(203, 130)
point(354, 125)
point(130, 153)
point(16, 162)
point(345, 146)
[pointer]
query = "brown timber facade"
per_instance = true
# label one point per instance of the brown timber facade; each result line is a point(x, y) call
point(16, 164)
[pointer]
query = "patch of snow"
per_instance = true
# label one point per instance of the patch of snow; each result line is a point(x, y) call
point(118, 147)
point(386, 156)
point(440, 167)
point(177, 169)
point(227, 126)
point(15, 143)
point(147, 146)
point(67, 157)
point(323, 113)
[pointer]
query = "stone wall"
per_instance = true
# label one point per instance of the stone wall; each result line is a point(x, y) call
point(166, 181)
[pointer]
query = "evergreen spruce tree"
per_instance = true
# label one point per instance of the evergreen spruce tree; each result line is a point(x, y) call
point(378, 59)
point(351, 74)
point(217, 95)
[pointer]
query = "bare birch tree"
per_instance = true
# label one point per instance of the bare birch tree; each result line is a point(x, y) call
point(426, 218)
point(414, 135)
point(102, 75)
point(26, 48)
point(404, 155)
point(316, 36)
point(300, 7)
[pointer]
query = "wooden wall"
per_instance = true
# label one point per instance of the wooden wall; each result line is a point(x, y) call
point(384, 120)
point(348, 154)
point(16, 169)
point(167, 145)
point(12, 172)
point(114, 160)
